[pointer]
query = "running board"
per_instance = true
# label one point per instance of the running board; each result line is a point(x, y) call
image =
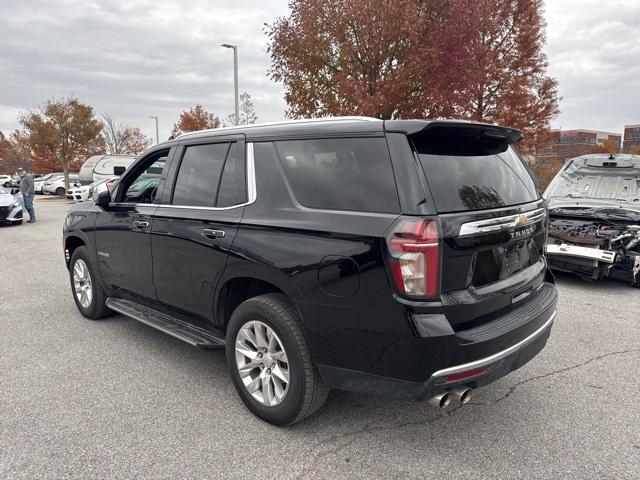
point(185, 331)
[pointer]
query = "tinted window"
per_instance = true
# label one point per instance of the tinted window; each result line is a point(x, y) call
point(234, 184)
point(199, 175)
point(340, 174)
point(473, 174)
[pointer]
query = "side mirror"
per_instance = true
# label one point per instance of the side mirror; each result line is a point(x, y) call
point(118, 170)
point(103, 199)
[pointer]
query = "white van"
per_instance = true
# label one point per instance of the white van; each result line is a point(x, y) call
point(100, 167)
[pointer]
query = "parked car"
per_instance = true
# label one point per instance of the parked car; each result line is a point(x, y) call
point(5, 181)
point(55, 186)
point(399, 258)
point(11, 207)
point(594, 205)
point(85, 192)
point(101, 167)
point(38, 183)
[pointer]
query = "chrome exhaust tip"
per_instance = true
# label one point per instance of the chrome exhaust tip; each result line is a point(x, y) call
point(440, 401)
point(461, 394)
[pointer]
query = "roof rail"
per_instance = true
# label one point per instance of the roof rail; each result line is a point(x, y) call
point(284, 122)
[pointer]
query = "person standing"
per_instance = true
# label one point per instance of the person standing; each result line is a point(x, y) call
point(28, 191)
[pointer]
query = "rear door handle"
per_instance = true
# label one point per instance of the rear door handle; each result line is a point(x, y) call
point(140, 224)
point(212, 234)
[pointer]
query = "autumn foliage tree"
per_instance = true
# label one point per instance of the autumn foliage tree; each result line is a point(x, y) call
point(121, 139)
point(382, 58)
point(506, 71)
point(62, 131)
point(196, 118)
point(476, 59)
point(11, 156)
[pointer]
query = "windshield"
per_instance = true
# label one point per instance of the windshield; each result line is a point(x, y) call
point(472, 174)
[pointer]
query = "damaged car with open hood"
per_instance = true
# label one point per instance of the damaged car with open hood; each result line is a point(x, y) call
point(594, 212)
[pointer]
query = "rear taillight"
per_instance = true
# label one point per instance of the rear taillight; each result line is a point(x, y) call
point(414, 246)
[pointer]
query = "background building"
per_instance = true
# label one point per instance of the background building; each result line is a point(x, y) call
point(632, 139)
point(560, 145)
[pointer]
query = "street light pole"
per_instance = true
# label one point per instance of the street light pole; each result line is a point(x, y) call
point(235, 78)
point(157, 136)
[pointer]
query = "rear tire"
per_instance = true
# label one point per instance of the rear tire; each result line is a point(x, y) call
point(82, 273)
point(60, 191)
point(305, 392)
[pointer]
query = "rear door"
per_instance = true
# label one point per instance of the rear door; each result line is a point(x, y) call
point(491, 214)
point(196, 222)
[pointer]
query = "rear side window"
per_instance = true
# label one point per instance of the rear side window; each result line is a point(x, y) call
point(340, 174)
point(199, 175)
point(469, 173)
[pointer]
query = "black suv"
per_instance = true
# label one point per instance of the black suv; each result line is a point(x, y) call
point(403, 258)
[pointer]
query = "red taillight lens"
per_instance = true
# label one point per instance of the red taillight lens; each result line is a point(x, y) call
point(415, 257)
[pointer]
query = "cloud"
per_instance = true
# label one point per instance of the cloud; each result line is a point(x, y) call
point(594, 52)
point(157, 57)
point(136, 59)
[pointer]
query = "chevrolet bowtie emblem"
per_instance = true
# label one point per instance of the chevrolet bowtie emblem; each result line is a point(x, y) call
point(522, 219)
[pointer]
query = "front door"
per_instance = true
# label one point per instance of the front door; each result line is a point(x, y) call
point(195, 224)
point(122, 229)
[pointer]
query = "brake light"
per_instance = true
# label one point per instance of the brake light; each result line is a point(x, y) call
point(414, 246)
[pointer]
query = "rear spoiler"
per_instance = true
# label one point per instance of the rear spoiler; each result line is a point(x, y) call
point(456, 127)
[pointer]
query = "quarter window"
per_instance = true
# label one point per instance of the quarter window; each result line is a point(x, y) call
point(340, 174)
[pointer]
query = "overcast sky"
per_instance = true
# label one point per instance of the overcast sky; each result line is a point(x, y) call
point(154, 57)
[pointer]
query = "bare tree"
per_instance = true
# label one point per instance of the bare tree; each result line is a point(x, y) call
point(121, 139)
point(247, 112)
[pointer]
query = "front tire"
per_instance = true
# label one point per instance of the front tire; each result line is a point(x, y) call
point(270, 363)
point(85, 287)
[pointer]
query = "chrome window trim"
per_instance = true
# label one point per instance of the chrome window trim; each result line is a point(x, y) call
point(483, 362)
point(501, 223)
point(252, 193)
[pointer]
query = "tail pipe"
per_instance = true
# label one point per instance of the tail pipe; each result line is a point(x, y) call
point(440, 401)
point(461, 394)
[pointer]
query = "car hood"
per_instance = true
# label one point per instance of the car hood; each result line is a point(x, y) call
point(6, 199)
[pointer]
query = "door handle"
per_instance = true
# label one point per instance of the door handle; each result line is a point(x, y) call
point(213, 234)
point(140, 224)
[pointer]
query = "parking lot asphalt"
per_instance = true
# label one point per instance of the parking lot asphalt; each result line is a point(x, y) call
point(116, 399)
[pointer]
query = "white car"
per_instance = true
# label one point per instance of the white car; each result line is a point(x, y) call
point(38, 183)
point(55, 186)
point(5, 181)
point(10, 207)
point(85, 192)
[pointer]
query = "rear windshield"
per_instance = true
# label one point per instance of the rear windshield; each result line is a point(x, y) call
point(340, 174)
point(473, 174)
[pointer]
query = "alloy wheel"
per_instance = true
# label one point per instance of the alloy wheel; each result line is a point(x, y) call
point(82, 283)
point(262, 363)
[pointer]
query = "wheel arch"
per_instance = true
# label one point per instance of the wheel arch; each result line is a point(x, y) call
point(233, 290)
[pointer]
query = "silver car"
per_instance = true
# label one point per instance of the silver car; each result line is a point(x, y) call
point(11, 207)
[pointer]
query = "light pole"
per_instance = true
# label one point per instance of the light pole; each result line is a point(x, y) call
point(235, 78)
point(157, 136)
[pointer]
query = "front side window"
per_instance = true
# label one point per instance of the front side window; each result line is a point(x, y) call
point(142, 188)
point(340, 174)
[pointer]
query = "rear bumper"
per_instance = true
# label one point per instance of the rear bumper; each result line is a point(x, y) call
point(448, 361)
